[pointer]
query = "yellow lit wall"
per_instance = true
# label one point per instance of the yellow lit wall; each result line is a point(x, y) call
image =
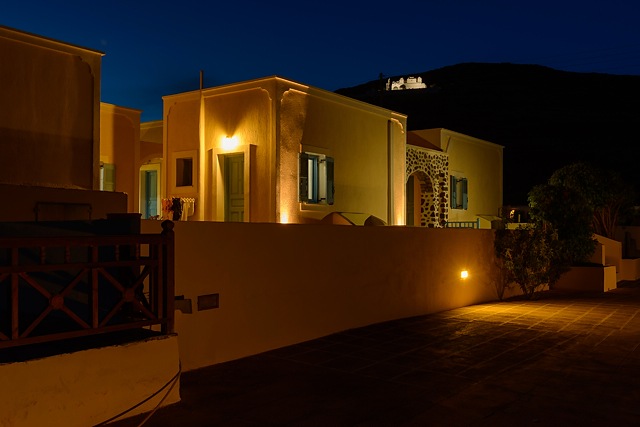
point(239, 120)
point(271, 121)
point(120, 146)
point(270, 296)
point(150, 141)
point(181, 137)
point(49, 112)
point(366, 142)
point(477, 160)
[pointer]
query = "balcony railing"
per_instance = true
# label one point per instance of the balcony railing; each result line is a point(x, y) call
point(463, 224)
point(54, 288)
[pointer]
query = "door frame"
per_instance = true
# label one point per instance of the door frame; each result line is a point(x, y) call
point(151, 166)
point(219, 200)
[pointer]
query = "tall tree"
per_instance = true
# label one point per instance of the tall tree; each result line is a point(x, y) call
point(570, 214)
point(605, 192)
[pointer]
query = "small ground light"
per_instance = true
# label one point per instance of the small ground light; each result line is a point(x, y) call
point(464, 274)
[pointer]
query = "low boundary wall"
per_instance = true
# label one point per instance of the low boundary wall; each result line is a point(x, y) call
point(281, 284)
point(629, 269)
point(599, 278)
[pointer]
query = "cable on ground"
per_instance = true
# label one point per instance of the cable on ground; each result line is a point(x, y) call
point(171, 383)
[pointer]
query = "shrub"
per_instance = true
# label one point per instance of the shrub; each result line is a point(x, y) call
point(528, 253)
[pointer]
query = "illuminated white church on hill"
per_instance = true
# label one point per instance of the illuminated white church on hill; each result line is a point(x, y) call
point(409, 83)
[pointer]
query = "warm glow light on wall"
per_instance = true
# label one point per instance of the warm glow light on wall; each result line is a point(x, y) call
point(229, 142)
point(464, 274)
point(284, 218)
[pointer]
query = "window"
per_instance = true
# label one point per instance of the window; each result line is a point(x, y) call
point(107, 177)
point(315, 179)
point(459, 194)
point(184, 172)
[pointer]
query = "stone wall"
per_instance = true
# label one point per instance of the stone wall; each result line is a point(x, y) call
point(431, 168)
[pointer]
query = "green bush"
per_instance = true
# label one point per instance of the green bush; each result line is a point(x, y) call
point(527, 254)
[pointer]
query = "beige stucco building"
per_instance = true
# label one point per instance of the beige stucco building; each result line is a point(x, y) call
point(120, 151)
point(274, 150)
point(50, 130)
point(452, 179)
point(266, 150)
point(131, 158)
point(51, 123)
point(49, 108)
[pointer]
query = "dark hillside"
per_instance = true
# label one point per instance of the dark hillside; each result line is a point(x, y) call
point(544, 118)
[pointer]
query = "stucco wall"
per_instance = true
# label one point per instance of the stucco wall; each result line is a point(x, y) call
point(149, 151)
point(25, 200)
point(271, 121)
point(49, 112)
point(281, 284)
point(239, 119)
point(477, 160)
point(481, 163)
point(88, 387)
point(181, 135)
point(612, 251)
point(120, 146)
point(588, 279)
point(366, 142)
point(150, 141)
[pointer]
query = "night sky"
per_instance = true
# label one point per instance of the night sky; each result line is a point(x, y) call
point(156, 48)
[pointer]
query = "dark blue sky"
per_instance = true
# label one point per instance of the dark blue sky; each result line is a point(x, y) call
point(156, 48)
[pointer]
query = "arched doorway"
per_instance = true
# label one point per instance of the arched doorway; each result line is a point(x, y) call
point(420, 199)
point(427, 191)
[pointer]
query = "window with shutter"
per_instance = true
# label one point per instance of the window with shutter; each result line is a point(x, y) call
point(465, 195)
point(453, 193)
point(330, 187)
point(315, 179)
point(303, 177)
point(459, 192)
point(107, 177)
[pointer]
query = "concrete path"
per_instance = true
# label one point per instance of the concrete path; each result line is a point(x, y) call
point(561, 360)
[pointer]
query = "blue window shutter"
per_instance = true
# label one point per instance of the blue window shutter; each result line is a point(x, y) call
point(314, 197)
point(303, 177)
point(452, 191)
point(330, 188)
point(465, 194)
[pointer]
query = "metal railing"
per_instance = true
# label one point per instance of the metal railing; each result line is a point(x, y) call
point(55, 288)
point(463, 224)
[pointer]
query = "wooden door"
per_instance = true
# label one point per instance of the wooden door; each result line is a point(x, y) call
point(234, 188)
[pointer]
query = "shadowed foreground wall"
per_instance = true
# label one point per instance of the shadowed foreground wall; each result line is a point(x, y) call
point(23, 202)
point(49, 112)
point(87, 387)
point(280, 284)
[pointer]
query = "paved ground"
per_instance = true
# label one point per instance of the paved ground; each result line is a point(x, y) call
point(561, 360)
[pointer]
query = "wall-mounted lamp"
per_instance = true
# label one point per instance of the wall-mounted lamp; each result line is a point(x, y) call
point(229, 142)
point(464, 274)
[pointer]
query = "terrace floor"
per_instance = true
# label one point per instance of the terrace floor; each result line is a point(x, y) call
point(561, 360)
